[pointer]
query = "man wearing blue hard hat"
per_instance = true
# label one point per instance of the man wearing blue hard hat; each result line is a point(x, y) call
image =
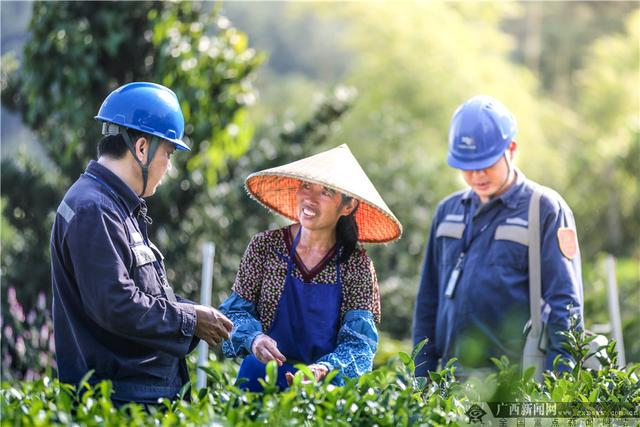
point(474, 298)
point(114, 311)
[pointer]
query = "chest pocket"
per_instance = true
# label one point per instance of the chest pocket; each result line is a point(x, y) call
point(143, 254)
point(145, 274)
point(157, 252)
point(510, 247)
point(449, 235)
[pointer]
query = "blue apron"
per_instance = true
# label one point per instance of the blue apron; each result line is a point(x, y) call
point(305, 327)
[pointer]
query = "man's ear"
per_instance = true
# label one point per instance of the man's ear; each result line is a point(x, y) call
point(513, 147)
point(142, 149)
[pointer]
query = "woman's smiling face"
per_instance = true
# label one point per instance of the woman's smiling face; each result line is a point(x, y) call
point(319, 207)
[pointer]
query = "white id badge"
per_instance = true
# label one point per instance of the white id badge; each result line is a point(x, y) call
point(453, 281)
point(455, 275)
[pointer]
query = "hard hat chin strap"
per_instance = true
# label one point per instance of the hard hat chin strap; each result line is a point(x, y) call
point(509, 170)
point(154, 143)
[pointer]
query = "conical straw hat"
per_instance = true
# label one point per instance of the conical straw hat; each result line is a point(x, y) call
point(276, 189)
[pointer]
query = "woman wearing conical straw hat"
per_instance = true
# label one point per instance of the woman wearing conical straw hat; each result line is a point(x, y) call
point(308, 293)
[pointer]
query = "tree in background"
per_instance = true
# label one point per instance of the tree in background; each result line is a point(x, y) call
point(609, 143)
point(77, 54)
point(554, 37)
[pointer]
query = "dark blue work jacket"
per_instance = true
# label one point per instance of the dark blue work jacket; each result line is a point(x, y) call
point(111, 312)
point(486, 314)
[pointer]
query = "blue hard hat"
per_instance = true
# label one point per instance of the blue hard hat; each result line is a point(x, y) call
point(481, 130)
point(146, 107)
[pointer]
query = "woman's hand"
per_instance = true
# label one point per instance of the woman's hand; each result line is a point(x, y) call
point(264, 348)
point(318, 371)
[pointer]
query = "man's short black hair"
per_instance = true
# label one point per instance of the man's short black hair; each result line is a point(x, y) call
point(114, 146)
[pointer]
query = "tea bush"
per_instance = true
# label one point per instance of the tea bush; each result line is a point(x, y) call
point(389, 396)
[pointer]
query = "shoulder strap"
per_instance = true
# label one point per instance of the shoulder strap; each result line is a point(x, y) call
point(535, 276)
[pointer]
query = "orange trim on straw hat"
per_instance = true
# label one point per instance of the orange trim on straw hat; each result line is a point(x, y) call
point(338, 169)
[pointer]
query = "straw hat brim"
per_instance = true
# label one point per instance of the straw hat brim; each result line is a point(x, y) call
point(337, 169)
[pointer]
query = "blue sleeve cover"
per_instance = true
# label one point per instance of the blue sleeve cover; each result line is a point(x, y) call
point(246, 326)
point(357, 345)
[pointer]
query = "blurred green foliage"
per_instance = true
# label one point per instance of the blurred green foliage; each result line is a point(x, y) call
point(596, 308)
point(555, 47)
point(605, 158)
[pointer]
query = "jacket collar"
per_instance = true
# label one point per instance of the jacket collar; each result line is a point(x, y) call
point(509, 198)
point(122, 190)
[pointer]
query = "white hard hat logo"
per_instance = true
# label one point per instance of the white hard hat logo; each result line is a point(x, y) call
point(467, 143)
